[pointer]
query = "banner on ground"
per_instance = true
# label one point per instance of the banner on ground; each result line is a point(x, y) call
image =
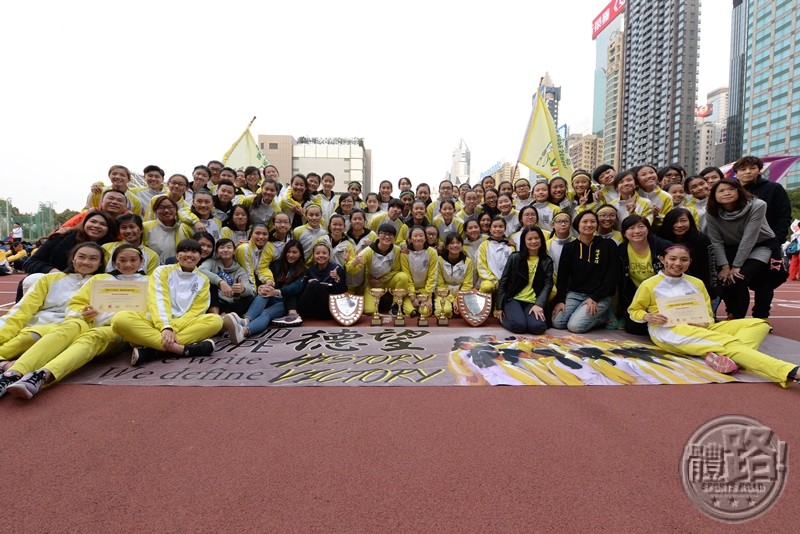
point(381, 356)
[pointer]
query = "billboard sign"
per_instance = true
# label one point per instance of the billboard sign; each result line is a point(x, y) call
point(609, 13)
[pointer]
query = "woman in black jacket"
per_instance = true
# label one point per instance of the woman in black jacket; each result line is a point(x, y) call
point(640, 255)
point(525, 285)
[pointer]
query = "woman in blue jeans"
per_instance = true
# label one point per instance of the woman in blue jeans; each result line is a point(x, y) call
point(525, 285)
point(588, 272)
point(274, 298)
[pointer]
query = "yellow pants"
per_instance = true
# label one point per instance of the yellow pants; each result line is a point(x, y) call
point(397, 281)
point(141, 332)
point(447, 307)
point(26, 338)
point(738, 340)
point(489, 286)
point(409, 307)
point(68, 348)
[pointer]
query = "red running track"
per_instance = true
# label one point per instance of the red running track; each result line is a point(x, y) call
point(95, 458)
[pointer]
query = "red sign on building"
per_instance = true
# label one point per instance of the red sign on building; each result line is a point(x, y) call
point(614, 8)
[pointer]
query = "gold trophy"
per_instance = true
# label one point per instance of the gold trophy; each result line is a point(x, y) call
point(377, 293)
point(424, 310)
point(399, 320)
point(442, 293)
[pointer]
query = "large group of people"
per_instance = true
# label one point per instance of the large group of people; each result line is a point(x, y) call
point(238, 251)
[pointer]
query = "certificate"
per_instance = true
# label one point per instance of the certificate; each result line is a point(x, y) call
point(684, 309)
point(119, 295)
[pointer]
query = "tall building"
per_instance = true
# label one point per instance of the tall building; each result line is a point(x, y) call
point(552, 96)
point(612, 121)
point(459, 171)
point(660, 82)
point(734, 130)
point(711, 123)
point(345, 158)
point(769, 76)
point(585, 151)
point(609, 22)
point(501, 172)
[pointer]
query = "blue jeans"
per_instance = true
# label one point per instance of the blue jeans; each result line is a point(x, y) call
point(517, 319)
point(575, 317)
point(262, 311)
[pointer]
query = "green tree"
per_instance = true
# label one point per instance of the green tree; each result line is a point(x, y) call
point(64, 216)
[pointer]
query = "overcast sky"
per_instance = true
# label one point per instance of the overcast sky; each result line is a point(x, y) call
point(89, 84)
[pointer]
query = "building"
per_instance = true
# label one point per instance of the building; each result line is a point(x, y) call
point(278, 149)
point(711, 123)
point(605, 27)
point(501, 172)
point(459, 171)
point(660, 82)
point(345, 158)
point(768, 75)
point(552, 96)
point(734, 130)
point(585, 151)
point(612, 121)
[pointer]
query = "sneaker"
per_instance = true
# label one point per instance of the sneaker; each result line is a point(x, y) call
point(233, 326)
point(140, 355)
point(203, 348)
point(235, 317)
point(721, 364)
point(27, 386)
point(6, 379)
point(290, 320)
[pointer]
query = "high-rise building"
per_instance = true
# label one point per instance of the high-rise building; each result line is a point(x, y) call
point(501, 172)
point(585, 151)
point(459, 171)
point(768, 74)
point(609, 22)
point(734, 130)
point(711, 120)
point(612, 122)
point(552, 96)
point(659, 89)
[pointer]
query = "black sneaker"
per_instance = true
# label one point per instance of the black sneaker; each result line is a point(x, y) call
point(6, 379)
point(27, 386)
point(140, 355)
point(203, 348)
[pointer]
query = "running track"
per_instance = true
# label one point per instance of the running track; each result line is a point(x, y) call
point(93, 458)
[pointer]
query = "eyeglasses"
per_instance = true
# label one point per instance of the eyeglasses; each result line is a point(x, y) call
point(384, 234)
point(561, 221)
point(177, 184)
point(165, 208)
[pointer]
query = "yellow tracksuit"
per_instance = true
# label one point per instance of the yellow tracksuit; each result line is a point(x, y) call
point(74, 343)
point(41, 309)
point(738, 339)
point(420, 267)
point(177, 300)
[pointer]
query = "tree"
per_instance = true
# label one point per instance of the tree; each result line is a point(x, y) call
point(64, 216)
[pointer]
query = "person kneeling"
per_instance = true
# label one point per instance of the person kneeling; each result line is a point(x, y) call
point(525, 285)
point(177, 321)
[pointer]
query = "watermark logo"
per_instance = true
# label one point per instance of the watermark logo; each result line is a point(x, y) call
point(734, 468)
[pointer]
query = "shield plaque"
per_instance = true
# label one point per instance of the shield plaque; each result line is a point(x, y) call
point(346, 308)
point(474, 306)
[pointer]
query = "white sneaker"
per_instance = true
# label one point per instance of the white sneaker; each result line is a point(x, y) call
point(233, 326)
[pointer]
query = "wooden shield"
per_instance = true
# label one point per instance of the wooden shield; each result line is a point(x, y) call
point(474, 306)
point(346, 308)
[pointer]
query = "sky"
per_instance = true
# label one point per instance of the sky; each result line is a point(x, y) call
point(90, 84)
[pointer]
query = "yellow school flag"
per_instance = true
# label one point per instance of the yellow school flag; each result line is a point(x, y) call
point(245, 152)
point(543, 150)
